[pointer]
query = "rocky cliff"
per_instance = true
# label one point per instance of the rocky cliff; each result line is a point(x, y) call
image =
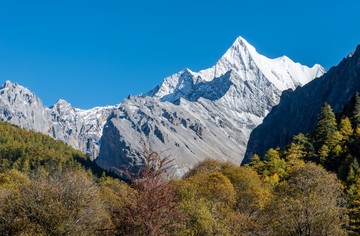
point(297, 111)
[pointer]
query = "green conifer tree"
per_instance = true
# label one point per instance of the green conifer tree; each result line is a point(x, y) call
point(323, 154)
point(354, 211)
point(356, 110)
point(326, 126)
point(355, 165)
point(351, 176)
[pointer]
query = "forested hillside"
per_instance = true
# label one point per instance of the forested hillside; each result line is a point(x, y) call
point(334, 145)
point(311, 187)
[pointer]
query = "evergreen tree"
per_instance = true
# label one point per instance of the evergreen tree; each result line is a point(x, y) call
point(323, 154)
point(326, 126)
point(355, 165)
point(351, 176)
point(356, 110)
point(354, 211)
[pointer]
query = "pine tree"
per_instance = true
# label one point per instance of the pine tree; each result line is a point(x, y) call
point(351, 176)
point(326, 126)
point(323, 153)
point(25, 166)
point(355, 165)
point(354, 211)
point(356, 110)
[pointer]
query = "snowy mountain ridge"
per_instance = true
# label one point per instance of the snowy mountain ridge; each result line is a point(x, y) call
point(194, 115)
point(209, 113)
point(81, 129)
point(241, 58)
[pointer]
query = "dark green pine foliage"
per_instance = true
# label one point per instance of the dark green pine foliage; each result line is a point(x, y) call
point(306, 145)
point(32, 152)
point(326, 126)
point(352, 110)
point(356, 110)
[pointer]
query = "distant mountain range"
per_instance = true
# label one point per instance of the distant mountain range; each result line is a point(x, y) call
point(82, 129)
point(191, 115)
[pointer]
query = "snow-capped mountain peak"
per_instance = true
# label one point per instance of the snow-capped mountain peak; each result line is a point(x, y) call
point(209, 113)
point(62, 104)
point(284, 73)
point(244, 61)
point(195, 115)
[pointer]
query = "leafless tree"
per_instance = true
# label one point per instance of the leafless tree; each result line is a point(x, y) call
point(153, 208)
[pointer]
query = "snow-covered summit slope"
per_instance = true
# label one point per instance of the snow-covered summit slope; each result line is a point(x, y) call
point(242, 59)
point(203, 114)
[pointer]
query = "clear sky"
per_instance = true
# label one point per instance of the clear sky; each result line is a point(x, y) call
point(96, 53)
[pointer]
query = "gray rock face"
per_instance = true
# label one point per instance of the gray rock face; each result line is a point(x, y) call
point(191, 115)
point(82, 129)
point(211, 113)
point(189, 132)
point(297, 111)
point(20, 106)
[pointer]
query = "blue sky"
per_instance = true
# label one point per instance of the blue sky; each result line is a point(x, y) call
point(95, 53)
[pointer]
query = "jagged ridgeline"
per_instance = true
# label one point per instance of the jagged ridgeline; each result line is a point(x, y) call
point(30, 152)
point(193, 115)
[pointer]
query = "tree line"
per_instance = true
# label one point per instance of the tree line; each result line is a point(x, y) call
point(310, 187)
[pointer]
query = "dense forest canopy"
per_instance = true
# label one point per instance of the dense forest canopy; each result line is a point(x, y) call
point(310, 187)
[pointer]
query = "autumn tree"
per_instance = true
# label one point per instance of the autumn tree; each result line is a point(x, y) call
point(294, 155)
point(252, 194)
point(68, 204)
point(306, 145)
point(152, 208)
point(207, 198)
point(274, 166)
point(222, 199)
point(345, 128)
point(311, 202)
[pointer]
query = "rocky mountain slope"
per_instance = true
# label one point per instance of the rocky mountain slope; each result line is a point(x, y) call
point(82, 129)
point(191, 115)
point(195, 115)
point(298, 110)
